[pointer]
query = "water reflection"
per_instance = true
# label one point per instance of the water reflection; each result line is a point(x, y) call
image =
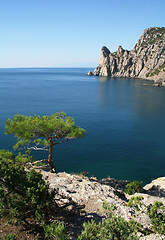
point(136, 115)
point(123, 118)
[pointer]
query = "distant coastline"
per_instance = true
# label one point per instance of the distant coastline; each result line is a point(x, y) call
point(146, 60)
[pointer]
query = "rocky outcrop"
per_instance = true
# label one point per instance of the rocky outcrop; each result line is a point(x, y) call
point(156, 187)
point(91, 192)
point(146, 60)
point(90, 73)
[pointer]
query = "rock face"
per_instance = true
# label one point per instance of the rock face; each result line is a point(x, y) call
point(90, 193)
point(146, 60)
point(157, 187)
point(90, 73)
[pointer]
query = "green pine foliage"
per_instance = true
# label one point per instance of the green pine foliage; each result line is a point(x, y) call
point(135, 202)
point(155, 212)
point(56, 230)
point(112, 227)
point(10, 236)
point(43, 133)
point(90, 231)
point(157, 216)
point(133, 187)
point(156, 71)
point(26, 199)
point(22, 192)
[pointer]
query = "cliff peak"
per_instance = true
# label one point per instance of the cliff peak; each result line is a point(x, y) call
point(146, 60)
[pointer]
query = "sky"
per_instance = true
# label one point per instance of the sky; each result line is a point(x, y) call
point(70, 33)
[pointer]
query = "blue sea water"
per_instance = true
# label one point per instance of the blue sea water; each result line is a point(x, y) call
point(124, 119)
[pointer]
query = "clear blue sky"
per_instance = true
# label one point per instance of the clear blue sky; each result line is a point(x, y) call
point(69, 33)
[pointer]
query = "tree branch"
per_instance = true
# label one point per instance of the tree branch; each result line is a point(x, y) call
point(39, 167)
point(37, 148)
point(43, 160)
point(63, 141)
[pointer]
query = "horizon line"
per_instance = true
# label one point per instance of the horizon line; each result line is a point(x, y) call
point(40, 67)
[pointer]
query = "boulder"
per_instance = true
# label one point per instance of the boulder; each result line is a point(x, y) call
point(90, 73)
point(156, 85)
point(156, 187)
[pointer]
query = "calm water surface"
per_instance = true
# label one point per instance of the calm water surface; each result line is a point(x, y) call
point(125, 120)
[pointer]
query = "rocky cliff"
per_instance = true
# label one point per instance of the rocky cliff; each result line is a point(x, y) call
point(88, 195)
point(146, 60)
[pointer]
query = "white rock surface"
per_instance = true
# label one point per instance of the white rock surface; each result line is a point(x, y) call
point(156, 187)
point(145, 60)
point(91, 193)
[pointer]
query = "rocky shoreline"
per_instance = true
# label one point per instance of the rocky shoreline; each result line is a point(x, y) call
point(146, 60)
point(88, 194)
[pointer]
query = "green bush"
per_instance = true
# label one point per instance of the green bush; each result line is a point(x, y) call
point(156, 72)
point(133, 187)
point(157, 216)
point(56, 230)
point(22, 192)
point(147, 74)
point(135, 202)
point(10, 236)
point(112, 227)
point(90, 231)
point(162, 66)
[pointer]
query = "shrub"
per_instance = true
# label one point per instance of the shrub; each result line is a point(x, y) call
point(156, 72)
point(147, 74)
point(162, 66)
point(10, 236)
point(133, 187)
point(112, 227)
point(22, 192)
point(91, 231)
point(117, 228)
point(155, 212)
point(56, 230)
point(135, 202)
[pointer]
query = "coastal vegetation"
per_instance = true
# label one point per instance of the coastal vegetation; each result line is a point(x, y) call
point(135, 202)
point(10, 236)
point(157, 216)
point(43, 133)
point(27, 200)
point(155, 35)
point(154, 211)
point(112, 227)
point(156, 71)
point(133, 187)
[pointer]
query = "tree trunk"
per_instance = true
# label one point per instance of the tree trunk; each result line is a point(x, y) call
point(50, 161)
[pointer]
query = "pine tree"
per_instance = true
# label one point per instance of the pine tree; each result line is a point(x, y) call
point(43, 133)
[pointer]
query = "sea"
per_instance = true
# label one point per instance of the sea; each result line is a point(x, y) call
point(124, 119)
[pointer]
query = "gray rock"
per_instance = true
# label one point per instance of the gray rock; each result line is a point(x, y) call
point(156, 85)
point(146, 60)
point(89, 193)
point(153, 237)
point(156, 187)
point(90, 73)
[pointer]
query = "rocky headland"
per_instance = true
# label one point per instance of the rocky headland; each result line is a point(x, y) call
point(88, 194)
point(146, 60)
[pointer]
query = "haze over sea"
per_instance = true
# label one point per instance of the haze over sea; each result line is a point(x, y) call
point(124, 119)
